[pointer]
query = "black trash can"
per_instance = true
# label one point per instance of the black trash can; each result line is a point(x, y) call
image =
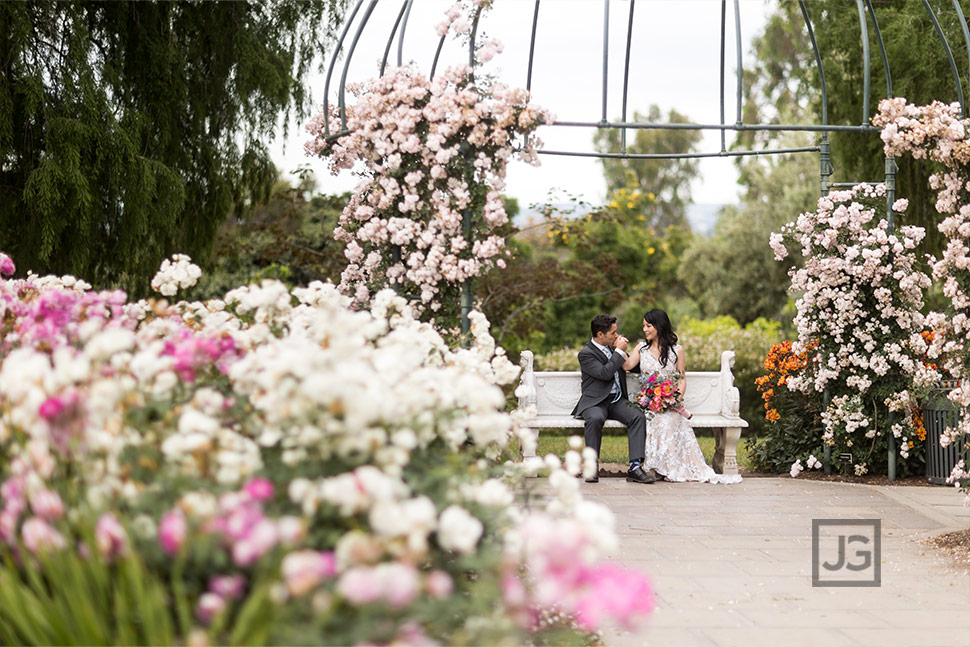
point(938, 414)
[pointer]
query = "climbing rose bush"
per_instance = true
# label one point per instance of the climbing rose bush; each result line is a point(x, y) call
point(278, 452)
point(431, 154)
point(938, 133)
point(859, 312)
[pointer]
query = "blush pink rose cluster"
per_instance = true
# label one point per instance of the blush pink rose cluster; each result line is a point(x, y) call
point(428, 153)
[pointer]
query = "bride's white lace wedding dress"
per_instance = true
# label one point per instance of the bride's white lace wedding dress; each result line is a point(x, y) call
point(672, 448)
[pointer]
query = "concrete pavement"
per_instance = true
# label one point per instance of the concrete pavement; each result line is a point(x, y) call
point(732, 564)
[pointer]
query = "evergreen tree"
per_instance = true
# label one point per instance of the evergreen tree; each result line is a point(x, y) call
point(130, 130)
point(786, 82)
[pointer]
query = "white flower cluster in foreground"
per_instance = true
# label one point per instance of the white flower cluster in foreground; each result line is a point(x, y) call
point(358, 443)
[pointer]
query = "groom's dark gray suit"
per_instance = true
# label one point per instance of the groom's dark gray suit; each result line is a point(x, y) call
point(596, 404)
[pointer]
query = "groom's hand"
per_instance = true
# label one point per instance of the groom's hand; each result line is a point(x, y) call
point(621, 342)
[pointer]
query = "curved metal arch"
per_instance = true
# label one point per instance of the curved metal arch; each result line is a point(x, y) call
point(966, 39)
point(626, 74)
point(532, 47)
point(400, 40)
point(333, 63)
point(863, 25)
point(390, 39)
point(865, 11)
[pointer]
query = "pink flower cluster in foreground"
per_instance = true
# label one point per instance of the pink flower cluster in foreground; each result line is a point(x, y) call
point(559, 578)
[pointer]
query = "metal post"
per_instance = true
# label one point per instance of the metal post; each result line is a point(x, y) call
point(824, 166)
point(466, 285)
point(466, 230)
point(891, 169)
point(826, 448)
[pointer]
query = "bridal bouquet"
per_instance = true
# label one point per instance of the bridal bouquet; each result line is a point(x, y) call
point(660, 394)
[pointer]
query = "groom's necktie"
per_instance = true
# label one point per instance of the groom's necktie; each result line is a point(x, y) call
point(615, 390)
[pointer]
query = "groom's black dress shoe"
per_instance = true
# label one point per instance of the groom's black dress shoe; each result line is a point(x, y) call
point(595, 478)
point(637, 475)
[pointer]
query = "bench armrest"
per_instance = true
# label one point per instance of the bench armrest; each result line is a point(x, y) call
point(730, 396)
point(526, 391)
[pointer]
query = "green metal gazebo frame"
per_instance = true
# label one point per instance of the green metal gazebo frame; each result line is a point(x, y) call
point(865, 11)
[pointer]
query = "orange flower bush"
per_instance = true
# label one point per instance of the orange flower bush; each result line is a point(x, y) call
point(780, 363)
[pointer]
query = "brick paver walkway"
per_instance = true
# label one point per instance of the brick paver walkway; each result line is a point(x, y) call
point(732, 565)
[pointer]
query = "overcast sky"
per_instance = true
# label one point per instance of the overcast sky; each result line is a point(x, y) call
point(675, 63)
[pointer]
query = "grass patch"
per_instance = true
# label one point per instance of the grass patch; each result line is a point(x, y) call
point(614, 447)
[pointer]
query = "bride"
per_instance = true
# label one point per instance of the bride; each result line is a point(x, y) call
point(672, 450)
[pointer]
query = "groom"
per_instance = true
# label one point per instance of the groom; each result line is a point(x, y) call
point(604, 395)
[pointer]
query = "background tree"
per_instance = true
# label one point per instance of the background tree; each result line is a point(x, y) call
point(786, 76)
point(627, 264)
point(669, 180)
point(130, 130)
point(734, 272)
point(289, 237)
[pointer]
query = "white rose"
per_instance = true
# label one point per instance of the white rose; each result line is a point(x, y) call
point(458, 530)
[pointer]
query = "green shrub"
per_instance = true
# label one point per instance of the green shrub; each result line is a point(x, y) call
point(704, 341)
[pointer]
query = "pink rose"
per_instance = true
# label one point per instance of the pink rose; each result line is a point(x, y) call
point(360, 585)
point(208, 607)
point(400, 583)
point(228, 587)
point(615, 594)
point(51, 408)
point(47, 504)
point(257, 542)
point(172, 531)
point(38, 535)
point(304, 569)
point(259, 489)
point(110, 536)
point(440, 585)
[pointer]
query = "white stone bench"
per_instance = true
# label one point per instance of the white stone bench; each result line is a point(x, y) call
point(711, 397)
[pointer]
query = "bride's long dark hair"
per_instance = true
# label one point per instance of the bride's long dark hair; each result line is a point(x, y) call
point(666, 338)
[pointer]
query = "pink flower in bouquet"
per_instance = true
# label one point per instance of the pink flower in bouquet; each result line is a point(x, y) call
point(110, 536)
point(208, 607)
point(304, 569)
point(228, 587)
point(259, 489)
point(172, 531)
point(8, 522)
